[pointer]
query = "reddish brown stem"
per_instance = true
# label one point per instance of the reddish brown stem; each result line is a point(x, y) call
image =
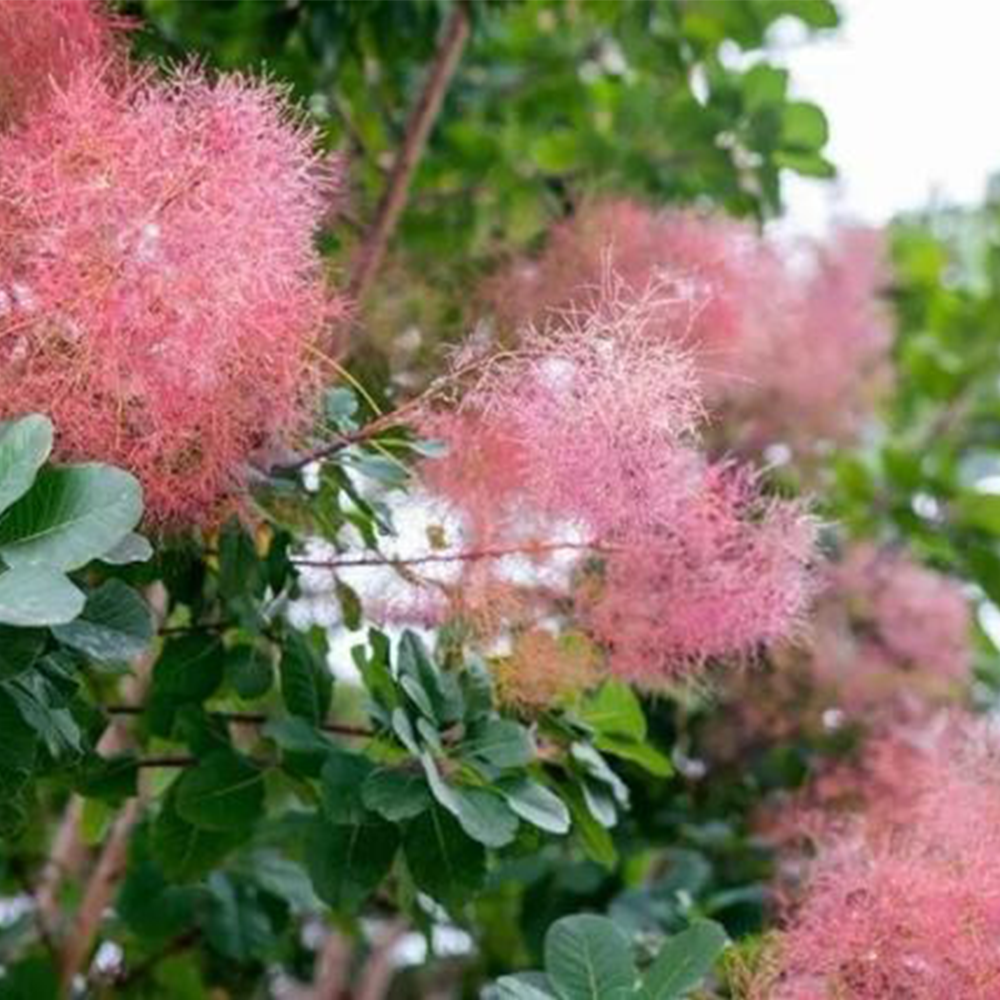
point(68, 851)
point(469, 555)
point(446, 58)
point(250, 719)
point(98, 895)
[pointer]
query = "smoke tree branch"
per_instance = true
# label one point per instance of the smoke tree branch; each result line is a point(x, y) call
point(446, 59)
point(68, 852)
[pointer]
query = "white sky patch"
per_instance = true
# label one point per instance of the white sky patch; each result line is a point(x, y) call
point(909, 87)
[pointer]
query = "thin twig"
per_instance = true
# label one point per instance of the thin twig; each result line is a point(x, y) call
point(98, 894)
point(418, 128)
point(68, 851)
point(167, 762)
point(468, 555)
point(379, 970)
point(252, 719)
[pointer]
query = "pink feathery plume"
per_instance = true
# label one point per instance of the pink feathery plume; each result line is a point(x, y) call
point(592, 425)
point(44, 43)
point(816, 372)
point(910, 907)
point(160, 293)
point(788, 351)
point(890, 631)
point(717, 269)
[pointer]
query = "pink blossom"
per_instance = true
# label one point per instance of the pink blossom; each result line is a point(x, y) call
point(592, 425)
point(791, 348)
point(724, 576)
point(889, 630)
point(44, 43)
point(817, 370)
point(159, 289)
point(911, 909)
point(715, 268)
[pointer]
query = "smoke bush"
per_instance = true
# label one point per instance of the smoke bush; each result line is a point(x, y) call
point(791, 348)
point(159, 289)
point(589, 431)
point(889, 630)
point(909, 905)
point(44, 43)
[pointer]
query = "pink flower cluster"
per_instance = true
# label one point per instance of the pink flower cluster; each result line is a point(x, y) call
point(794, 348)
point(588, 431)
point(889, 630)
point(160, 294)
point(43, 44)
point(908, 904)
point(818, 368)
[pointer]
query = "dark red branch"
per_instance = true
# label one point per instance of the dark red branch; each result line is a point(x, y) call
point(418, 128)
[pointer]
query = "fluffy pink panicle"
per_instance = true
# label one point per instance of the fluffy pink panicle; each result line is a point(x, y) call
point(889, 629)
point(44, 43)
point(716, 269)
point(589, 431)
point(818, 368)
point(725, 576)
point(790, 348)
point(159, 288)
point(913, 914)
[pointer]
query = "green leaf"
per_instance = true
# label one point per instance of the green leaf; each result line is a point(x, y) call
point(403, 729)
point(347, 863)
point(646, 756)
point(979, 510)
point(594, 838)
point(523, 986)
point(19, 649)
point(804, 127)
point(614, 710)
point(764, 85)
point(598, 769)
point(33, 978)
point(501, 742)
point(485, 816)
point(434, 693)
point(133, 548)
point(250, 671)
point(444, 862)
point(396, 794)
point(297, 736)
point(17, 762)
point(684, 961)
point(341, 781)
point(600, 803)
point(38, 596)
point(184, 851)
point(536, 804)
point(237, 924)
point(43, 706)
point(115, 625)
point(71, 515)
point(373, 665)
point(25, 446)
point(239, 567)
point(306, 682)
point(557, 152)
point(588, 958)
point(189, 669)
point(110, 779)
point(224, 792)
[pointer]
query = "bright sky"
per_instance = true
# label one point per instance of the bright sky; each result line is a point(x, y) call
point(911, 90)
